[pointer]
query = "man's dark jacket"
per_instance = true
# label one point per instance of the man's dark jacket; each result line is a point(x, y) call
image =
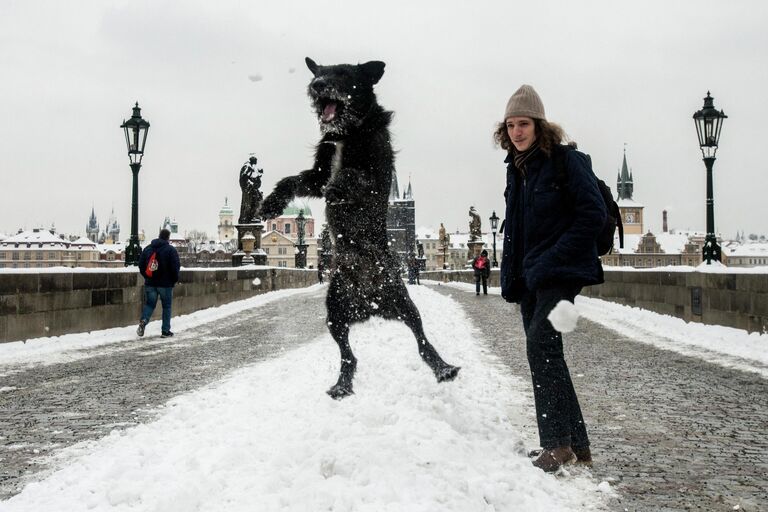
point(551, 225)
point(167, 273)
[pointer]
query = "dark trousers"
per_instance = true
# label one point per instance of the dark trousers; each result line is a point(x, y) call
point(484, 279)
point(557, 409)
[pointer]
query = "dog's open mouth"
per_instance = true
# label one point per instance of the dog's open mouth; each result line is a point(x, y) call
point(329, 109)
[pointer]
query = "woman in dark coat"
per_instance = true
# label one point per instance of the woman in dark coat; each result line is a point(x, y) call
point(554, 212)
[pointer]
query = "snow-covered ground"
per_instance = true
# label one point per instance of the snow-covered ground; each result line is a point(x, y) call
point(268, 438)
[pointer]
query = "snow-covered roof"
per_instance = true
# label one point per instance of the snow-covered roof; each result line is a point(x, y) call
point(35, 236)
point(212, 246)
point(82, 241)
point(671, 243)
point(749, 249)
point(117, 248)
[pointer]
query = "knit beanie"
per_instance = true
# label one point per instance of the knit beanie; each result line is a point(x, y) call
point(525, 103)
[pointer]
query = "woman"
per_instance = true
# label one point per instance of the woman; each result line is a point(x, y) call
point(554, 212)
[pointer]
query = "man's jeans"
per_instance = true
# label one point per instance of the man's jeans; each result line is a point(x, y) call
point(151, 293)
point(557, 409)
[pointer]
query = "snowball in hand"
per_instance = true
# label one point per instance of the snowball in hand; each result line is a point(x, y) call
point(564, 316)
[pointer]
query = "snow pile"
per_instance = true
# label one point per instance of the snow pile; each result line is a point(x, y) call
point(726, 346)
point(268, 438)
point(564, 316)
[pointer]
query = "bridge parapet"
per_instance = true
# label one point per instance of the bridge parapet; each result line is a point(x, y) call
point(37, 304)
point(732, 299)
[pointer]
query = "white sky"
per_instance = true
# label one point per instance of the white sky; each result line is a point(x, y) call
point(402, 442)
point(609, 72)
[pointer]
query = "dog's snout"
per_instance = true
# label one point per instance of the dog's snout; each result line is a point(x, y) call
point(318, 84)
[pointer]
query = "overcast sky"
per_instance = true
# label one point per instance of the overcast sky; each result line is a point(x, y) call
point(219, 80)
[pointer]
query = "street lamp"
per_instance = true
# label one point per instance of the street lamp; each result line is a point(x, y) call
point(136, 130)
point(709, 122)
point(301, 246)
point(494, 227)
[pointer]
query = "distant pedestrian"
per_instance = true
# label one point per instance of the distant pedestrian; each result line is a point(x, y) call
point(482, 268)
point(554, 212)
point(159, 264)
point(320, 270)
point(413, 268)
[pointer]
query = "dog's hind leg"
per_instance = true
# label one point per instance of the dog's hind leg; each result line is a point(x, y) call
point(406, 311)
point(343, 386)
point(338, 325)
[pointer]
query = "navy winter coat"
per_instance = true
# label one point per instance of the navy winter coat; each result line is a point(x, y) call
point(167, 273)
point(551, 225)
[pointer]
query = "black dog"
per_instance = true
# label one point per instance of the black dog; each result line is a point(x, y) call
point(353, 169)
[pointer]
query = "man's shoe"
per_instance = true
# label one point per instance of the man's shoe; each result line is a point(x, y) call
point(140, 329)
point(166, 334)
point(551, 460)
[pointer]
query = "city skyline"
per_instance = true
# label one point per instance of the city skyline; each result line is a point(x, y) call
point(221, 82)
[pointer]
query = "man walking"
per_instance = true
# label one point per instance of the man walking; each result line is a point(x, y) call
point(159, 264)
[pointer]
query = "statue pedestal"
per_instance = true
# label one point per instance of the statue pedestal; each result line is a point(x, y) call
point(475, 248)
point(442, 258)
point(258, 255)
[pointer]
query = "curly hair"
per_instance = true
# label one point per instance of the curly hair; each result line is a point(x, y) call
point(548, 134)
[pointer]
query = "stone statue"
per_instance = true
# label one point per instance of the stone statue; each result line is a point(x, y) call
point(474, 225)
point(441, 235)
point(250, 183)
point(420, 248)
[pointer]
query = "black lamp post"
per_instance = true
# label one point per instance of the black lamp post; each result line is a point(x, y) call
point(709, 122)
point(494, 227)
point(301, 246)
point(136, 130)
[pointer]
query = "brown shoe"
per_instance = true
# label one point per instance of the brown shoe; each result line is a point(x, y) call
point(551, 460)
point(583, 456)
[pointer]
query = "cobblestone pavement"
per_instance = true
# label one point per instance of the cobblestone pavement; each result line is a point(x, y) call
point(52, 407)
point(670, 432)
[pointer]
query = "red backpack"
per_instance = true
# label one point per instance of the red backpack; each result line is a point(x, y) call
point(152, 264)
point(480, 263)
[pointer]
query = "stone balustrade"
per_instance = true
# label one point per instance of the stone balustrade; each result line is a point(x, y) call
point(37, 304)
point(733, 299)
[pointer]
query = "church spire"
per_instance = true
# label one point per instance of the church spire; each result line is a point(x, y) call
point(409, 191)
point(394, 191)
point(624, 183)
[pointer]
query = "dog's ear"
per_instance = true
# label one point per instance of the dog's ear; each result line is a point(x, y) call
point(311, 65)
point(373, 70)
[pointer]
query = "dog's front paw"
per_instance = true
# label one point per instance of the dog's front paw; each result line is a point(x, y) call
point(340, 391)
point(447, 373)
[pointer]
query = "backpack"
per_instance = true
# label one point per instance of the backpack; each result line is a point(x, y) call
point(152, 264)
point(480, 262)
point(605, 238)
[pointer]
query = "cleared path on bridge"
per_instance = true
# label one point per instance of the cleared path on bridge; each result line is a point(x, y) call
point(670, 432)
